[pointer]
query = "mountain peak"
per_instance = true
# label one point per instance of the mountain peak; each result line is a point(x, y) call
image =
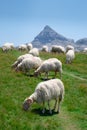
point(49, 36)
point(47, 27)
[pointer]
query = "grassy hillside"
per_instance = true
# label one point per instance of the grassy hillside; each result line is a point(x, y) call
point(15, 87)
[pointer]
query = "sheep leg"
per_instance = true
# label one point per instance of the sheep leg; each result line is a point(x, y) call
point(60, 98)
point(55, 105)
point(23, 69)
point(50, 111)
point(58, 107)
point(55, 74)
point(43, 111)
point(46, 74)
point(60, 74)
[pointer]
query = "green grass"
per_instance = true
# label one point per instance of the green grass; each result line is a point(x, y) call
point(15, 87)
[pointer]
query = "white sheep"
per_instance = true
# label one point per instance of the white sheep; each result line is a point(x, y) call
point(51, 64)
point(69, 47)
point(29, 46)
point(34, 52)
point(29, 63)
point(20, 58)
point(45, 48)
point(58, 49)
point(45, 92)
point(85, 50)
point(70, 55)
point(22, 47)
point(7, 46)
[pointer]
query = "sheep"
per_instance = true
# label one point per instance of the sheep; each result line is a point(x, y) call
point(85, 50)
point(45, 48)
point(70, 55)
point(29, 46)
point(20, 58)
point(34, 52)
point(29, 63)
point(22, 47)
point(46, 91)
point(51, 64)
point(7, 46)
point(69, 47)
point(58, 49)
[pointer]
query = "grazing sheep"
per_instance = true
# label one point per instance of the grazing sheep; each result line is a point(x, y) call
point(85, 50)
point(45, 48)
point(29, 63)
point(52, 64)
point(22, 47)
point(29, 46)
point(20, 58)
point(69, 47)
point(7, 46)
point(58, 49)
point(70, 55)
point(34, 52)
point(45, 92)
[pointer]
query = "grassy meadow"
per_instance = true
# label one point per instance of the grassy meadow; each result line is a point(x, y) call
point(15, 87)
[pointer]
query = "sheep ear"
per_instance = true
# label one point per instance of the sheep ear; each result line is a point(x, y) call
point(29, 101)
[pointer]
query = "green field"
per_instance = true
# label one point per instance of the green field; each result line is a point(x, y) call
point(15, 87)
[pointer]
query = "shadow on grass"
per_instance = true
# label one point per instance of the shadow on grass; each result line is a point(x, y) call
point(39, 111)
point(45, 79)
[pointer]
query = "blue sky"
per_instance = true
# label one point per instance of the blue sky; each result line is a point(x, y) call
point(22, 20)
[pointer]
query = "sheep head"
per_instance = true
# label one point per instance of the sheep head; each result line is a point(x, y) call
point(27, 103)
point(36, 74)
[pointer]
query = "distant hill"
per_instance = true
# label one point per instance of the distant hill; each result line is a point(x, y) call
point(81, 43)
point(49, 37)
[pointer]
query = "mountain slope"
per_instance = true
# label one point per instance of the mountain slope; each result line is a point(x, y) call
point(50, 37)
point(81, 43)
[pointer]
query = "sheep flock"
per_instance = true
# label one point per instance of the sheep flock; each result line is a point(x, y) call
point(53, 87)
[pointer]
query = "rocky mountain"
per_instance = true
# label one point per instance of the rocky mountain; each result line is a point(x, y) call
point(50, 37)
point(81, 43)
